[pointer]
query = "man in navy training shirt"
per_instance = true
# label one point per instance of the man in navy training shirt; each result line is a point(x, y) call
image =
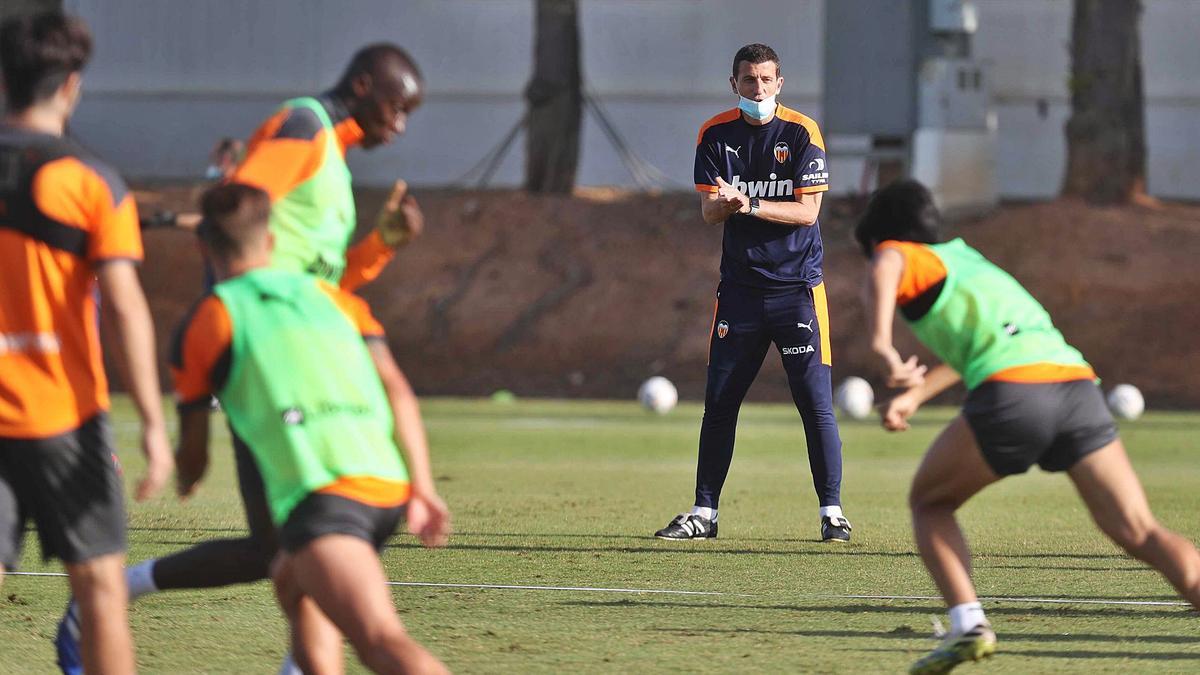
point(760, 169)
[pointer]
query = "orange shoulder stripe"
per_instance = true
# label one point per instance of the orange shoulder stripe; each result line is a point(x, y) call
point(810, 125)
point(727, 116)
point(922, 269)
point(207, 336)
point(74, 194)
point(354, 308)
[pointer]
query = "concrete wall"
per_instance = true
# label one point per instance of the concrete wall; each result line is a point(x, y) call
point(1027, 44)
point(172, 75)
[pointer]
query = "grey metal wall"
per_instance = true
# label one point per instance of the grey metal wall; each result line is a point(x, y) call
point(172, 75)
point(1027, 44)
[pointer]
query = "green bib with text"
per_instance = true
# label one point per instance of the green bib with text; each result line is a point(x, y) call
point(313, 222)
point(984, 321)
point(302, 390)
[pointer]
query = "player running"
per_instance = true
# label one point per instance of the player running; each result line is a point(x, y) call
point(1032, 399)
point(67, 225)
point(760, 169)
point(285, 355)
point(298, 157)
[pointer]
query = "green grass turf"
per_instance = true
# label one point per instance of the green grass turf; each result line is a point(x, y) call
point(567, 493)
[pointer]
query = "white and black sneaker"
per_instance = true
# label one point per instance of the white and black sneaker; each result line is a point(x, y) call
point(689, 526)
point(835, 528)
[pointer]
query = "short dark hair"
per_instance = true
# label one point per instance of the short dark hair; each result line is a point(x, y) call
point(234, 216)
point(902, 211)
point(38, 52)
point(755, 53)
point(371, 59)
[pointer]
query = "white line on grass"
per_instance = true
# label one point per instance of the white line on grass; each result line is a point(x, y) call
point(35, 574)
point(661, 591)
point(1046, 601)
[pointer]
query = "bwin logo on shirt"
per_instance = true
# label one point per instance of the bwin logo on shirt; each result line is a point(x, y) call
point(762, 188)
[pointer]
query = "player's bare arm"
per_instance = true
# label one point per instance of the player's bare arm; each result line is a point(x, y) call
point(126, 303)
point(191, 457)
point(428, 517)
point(886, 270)
point(802, 213)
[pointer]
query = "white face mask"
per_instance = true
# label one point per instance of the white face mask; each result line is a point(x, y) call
point(759, 110)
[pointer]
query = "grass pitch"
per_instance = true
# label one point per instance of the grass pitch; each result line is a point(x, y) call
point(567, 494)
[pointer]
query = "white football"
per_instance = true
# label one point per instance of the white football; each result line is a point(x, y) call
point(657, 394)
point(1126, 402)
point(855, 398)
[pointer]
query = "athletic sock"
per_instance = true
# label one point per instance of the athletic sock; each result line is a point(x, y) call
point(706, 512)
point(289, 667)
point(140, 579)
point(966, 616)
point(834, 511)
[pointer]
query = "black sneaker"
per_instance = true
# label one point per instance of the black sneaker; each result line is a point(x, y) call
point(688, 526)
point(835, 528)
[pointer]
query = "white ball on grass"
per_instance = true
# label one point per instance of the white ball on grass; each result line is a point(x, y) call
point(855, 398)
point(1126, 402)
point(657, 394)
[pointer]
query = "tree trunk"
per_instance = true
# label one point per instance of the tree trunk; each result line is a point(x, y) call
point(1106, 134)
point(555, 97)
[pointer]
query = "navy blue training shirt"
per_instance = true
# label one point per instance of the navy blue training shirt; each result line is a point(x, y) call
point(773, 162)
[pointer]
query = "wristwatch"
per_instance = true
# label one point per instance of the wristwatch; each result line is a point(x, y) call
point(753, 206)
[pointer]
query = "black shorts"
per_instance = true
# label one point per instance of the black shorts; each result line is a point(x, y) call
point(320, 514)
point(70, 485)
point(1053, 425)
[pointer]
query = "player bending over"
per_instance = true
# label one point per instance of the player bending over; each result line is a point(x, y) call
point(1032, 399)
point(299, 385)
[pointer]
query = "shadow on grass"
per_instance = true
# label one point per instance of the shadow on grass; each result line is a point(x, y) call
point(1071, 568)
point(906, 633)
point(1057, 611)
point(1076, 654)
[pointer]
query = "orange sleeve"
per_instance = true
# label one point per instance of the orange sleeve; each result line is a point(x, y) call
point(922, 269)
point(365, 261)
point(280, 157)
point(356, 309)
point(92, 197)
point(202, 344)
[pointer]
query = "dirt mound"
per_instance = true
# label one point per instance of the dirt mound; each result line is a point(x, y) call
point(588, 295)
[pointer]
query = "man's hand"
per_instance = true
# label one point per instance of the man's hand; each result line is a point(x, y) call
point(905, 374)
point(186, 483)
point(400, 220)
point(429, 519)
point(729, 197)
point(895, 413)
point(159, 462)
